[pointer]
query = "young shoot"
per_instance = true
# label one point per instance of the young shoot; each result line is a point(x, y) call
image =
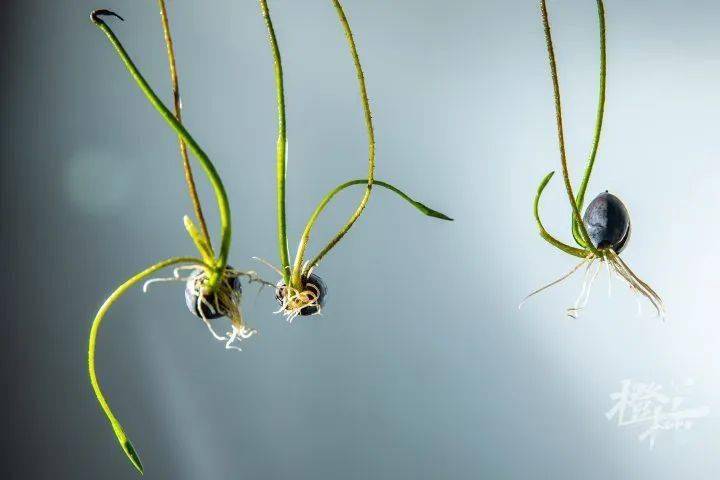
point(212, 287)
point(300, 291)
point(604, 230)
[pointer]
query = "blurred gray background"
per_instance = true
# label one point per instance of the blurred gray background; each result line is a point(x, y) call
point(421, 367)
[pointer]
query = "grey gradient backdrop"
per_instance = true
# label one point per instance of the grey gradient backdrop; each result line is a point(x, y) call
point(422, 367)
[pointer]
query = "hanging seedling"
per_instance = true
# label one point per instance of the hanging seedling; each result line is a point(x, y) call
point(300, 291)
point(604, 230)
point(212, 287)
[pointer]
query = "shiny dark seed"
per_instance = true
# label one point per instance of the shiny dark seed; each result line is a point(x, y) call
point(313, 280)
point(607, 222)
point(191, 299)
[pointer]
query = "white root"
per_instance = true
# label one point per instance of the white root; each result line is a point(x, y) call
point(609, 272)
point(294, 301)
point(175, 278)
point(636, 284)
point(629, 285)
point(559, 280)
point(582, 300)
point(268, 264)
point(615, 265)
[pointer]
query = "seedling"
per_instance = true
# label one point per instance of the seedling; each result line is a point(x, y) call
point(213, 287)
point(603, 232)
point(299, 291)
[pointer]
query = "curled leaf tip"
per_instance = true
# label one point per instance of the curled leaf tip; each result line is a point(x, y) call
point(96, 15)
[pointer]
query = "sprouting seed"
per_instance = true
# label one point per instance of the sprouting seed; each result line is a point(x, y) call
point(212, 287)
point(306, 301)
point(607, 222)
point(296, 291)
point(602, 233)
point(211, 305)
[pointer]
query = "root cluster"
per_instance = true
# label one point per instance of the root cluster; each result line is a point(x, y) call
point(294, 301)
point(614, 265)
point(225, 300)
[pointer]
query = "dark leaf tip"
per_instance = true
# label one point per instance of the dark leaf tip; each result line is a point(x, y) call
point(96, 15)
point(432, 213)
point(133, 456)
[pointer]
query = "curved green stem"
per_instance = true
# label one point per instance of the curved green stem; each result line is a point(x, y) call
point(117, 428)
point(326, 199)
point(561, 136)
point(281, 153)
point(371, 140)
point(544, 233)
point(177, 104)
point(580, 198)
point(213, 176)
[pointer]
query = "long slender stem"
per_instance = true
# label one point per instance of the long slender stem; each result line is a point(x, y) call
point(281, 153)
point(189, 178)
point(117, 428)
point(561, 136)
point(208, 167)
point(326, 199)
point(580, 198)
point(371, 147)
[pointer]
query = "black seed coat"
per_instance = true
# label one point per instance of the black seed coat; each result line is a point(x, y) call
point(607, 222)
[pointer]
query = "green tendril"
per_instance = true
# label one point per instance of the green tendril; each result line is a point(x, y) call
point(561, 137)
point(544, 233)
point(326, 199)
point(371, 145)
point(281, 152)
point(169, 117)
point(580, 199)
point(292, 277)
point(119, 292)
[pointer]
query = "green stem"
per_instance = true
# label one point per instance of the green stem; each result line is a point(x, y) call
point(323, 203)
point(281, 153)
point(213, 176)
point(580, 199)
point(117, 428)
point(544, 233)
point(561, 136)
point(177, 104)
point(371, 143)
